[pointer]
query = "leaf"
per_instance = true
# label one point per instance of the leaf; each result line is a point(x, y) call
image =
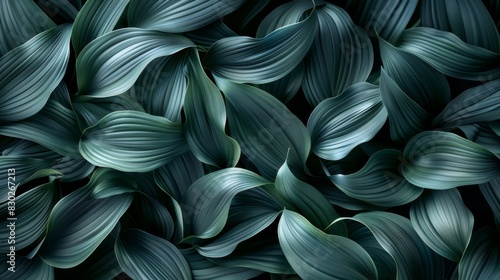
point(161, 87)
point(207, 35)
point(379, 181)
point(340, 56)
point(398, 238)
point(480, 260)
point(469, 20)
point(78, 224)
point(262, 60)
point(206, 120)
point(62, 10)
point(287, 87)
point(73, 169)
point(13, 34)
point(30, 72)
point(418, 80)
point(450, 55)
point(406, 117)
point(483, 135)
point(111, 64)
point(54, 127)
point(29, 269)
point(443, 222)
point(442, 160)
point(338, 124)
point(145, 256)
point(95, 19)
point(248, 11)
point(491, 192)
point(265, 128)
point(206, 203)
point(151, 216)
point(153, 140)
point(108, 182)
point(388, 18)
point(307, 201)
point(289, 13)
point(477, 104)
point(178, 16)
point(312, 252)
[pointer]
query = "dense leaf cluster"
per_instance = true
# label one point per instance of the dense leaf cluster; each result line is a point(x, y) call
point(233, 139)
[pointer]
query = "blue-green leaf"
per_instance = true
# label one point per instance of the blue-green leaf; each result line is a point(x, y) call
point(206, 36)
point(491, 192)
point(286, 88)
point(25, 268)
point(108, 182)
point(153, 140)
point(262, 60)
point(341, 56)
point(152, 216)
point(178, 16)
point(265, 128)
point(477, 104)
point(206, 203)
point(95, 19)
point(145, 256)
point(379, 181)
point(111, 64)
point(443, 222)
point(30, 72)
point(312, 252)
point(450, 55)
point(481, 258)
point(442, 160)
point(338, 124)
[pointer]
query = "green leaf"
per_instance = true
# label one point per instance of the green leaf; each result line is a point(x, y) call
point(442, 160)
point(379, 181)
point(265, 128)
point(491, 192)
point(206, 36)
point(111, 64)
point(61, 10)
point(396, 235)
point(312, 252)
point(95, 19)
point(467, 19)
point(13, 34)
point(450, 55)
point(340, 56)
point(73, 169)
point(161, 87)
point(108, 182)
point(443, 222)
point(289, 13)
point(477, 104)
point(206, 203)
point(406, 117)
point(78, 224)
point(54, 127)
point(25, 268)
point(286, 88)
point(206, 120)
point(145, 256)
point(176, 17)
point(262, 60)
point(151, 216)
point(417, 79)
point(338, 124)
point(387, 18)
point(30, 72)
point(481, 258)
point(153, 140)
point(306, 200)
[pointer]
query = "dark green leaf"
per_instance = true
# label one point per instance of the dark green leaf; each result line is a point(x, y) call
point(481, 258)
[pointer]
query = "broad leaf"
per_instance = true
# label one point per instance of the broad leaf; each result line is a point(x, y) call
point(337, 125)
point(153, 140)
point(481, 258)
point(25, 268)
point(443, 160)
point(491, 192)
point(443, 222)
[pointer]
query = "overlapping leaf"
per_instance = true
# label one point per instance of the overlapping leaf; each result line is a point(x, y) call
point(339, 124)
point(491, 191)
point(30, 72)
point(481, 258)
point(443, 160)
point(29, 269)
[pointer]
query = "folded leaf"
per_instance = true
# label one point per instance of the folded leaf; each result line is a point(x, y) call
point(153, 140)
point(337, 125)
point(379, 181)
point(491, 192)
point(450, 55)
point(312, 252)
point(29, 269)
point(286, 88)
point(480, 260)
point(111, 64)
point(206, 36)
point(265, 128)
point(145, 256)
point(178, 16)
point(443, 222)
point(442, 160)
point(30, 72)
point(340, 56)
point(151, 216)
point(262, 60)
